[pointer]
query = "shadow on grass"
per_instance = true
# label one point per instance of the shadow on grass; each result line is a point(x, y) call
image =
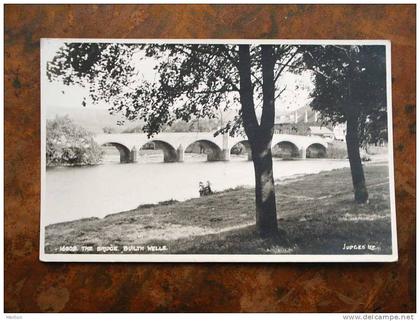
point(309, 236)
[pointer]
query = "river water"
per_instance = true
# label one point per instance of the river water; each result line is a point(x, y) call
point(74, 193)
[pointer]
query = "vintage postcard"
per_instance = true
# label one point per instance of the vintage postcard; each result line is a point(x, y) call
point(217, 151)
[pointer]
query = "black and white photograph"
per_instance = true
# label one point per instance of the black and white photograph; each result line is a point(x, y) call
point(217, 151)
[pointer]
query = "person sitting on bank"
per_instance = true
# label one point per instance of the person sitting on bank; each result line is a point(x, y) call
point(205, 190)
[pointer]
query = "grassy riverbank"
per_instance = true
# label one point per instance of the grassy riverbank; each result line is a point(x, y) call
point(317, 215)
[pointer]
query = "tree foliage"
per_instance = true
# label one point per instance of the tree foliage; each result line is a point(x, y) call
point(69, 144)
point(350, 84)
point(192, 80)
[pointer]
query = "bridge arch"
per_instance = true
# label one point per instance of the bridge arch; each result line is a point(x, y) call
point(240, 147)
point(285, 149)
point(213, 151)
point(170, 154)
point(316, 150)
point(123, 150)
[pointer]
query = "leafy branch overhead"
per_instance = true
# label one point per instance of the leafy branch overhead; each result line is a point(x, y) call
point(191, 80)
point(350, 85)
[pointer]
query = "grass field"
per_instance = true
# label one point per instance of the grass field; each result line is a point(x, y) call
point(316, 214)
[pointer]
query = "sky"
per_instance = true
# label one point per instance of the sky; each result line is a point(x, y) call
point(67, 100)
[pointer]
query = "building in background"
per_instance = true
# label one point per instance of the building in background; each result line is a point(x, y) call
point(306, 121)
point(321, 131)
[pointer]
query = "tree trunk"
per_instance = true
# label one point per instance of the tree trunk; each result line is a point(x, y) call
point(265, 197)
point(259, 136)
point(352, 140)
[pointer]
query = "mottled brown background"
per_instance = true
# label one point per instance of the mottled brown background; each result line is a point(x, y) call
point(33, 286)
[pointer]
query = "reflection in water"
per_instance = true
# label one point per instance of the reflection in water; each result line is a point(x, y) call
point(73, 193)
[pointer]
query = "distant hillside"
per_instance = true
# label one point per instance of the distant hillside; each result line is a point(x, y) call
point(93, 119)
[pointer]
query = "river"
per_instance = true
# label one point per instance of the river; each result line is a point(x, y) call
point(74, 193)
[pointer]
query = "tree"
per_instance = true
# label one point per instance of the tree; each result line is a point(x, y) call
point(193, 81)
point(69, 144)
point(350, 87)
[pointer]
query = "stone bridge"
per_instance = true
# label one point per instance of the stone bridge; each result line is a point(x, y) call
point(217, 148)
